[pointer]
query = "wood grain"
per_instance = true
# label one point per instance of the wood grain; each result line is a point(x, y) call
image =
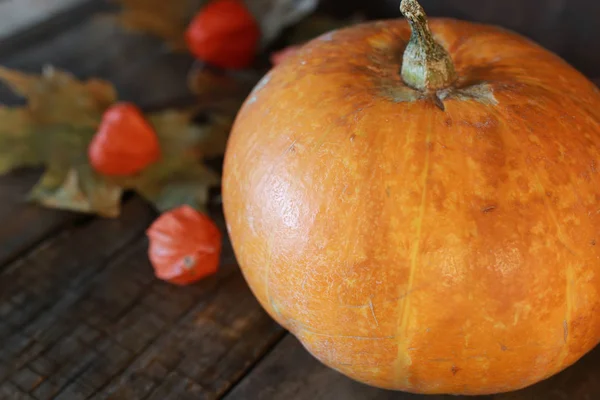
point(24, 225)
point(83, 315)
point(206, 351)
point(36, 290)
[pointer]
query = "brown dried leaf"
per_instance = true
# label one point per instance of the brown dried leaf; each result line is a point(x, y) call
point(56, 97)
point(188, 184)
point(16, 129)
point(77, 189)
point(54, 129)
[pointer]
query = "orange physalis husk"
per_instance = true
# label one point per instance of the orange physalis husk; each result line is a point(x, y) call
point(125, 143)
point(225, 34)
point(185, 246)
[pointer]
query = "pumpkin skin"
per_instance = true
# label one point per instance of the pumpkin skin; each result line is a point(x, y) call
point(417, 249)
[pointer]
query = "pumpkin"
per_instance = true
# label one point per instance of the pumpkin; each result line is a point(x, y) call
point(422, 210)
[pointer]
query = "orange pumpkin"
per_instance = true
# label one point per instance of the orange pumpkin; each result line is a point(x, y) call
point(427, 222)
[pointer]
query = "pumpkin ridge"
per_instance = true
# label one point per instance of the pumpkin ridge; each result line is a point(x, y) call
point(568, 267)
point(404, 303)
point(568, 270)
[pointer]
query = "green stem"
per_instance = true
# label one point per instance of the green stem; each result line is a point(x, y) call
point(426, 65)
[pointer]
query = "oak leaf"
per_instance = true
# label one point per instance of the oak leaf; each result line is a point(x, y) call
point(53, 130)
point(77, 189)
point(56, 126)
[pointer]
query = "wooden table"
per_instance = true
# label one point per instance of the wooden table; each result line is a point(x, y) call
point(81, 314)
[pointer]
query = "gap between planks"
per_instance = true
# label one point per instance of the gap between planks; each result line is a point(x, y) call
point(258, 361)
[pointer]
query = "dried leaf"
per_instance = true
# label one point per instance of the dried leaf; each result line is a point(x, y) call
point(15, 130)
point(180, 139)
point(189, 185)
point(167, 20)
point(77, 189)
point(56, 97)
point(58, 124)
point(54, 129)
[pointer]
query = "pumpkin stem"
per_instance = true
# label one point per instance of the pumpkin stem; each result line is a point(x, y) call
point(426, 65)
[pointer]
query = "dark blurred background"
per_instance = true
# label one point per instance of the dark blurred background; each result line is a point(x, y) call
point(570, 28)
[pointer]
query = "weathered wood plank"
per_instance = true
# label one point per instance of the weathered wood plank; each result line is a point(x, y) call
point(31, 286)
point(84, 316)
point(205, 352)
point(24, 225)
point(37, 289)
point(129, 336)
point(290, 372)
point(12, 392)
